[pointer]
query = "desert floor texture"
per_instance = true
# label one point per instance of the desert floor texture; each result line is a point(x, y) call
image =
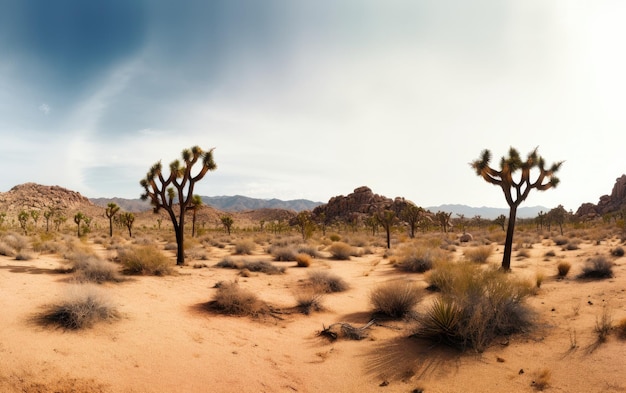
point(165, 342)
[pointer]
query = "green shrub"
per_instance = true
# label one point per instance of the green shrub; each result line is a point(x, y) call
point(395, 299)
point(341, 251)
point(327, 282)
point(597, 267)
point(144, 260)
point(84, 306)
point(474, 307)
point(479, 254)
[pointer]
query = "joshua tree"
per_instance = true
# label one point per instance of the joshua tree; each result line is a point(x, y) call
point(3, 217)
point(128, 219)
point(227, 221)
point(412, 215)
point(504, 178)
point(78, 217)
point(386, 218)
point(35, 216)
point(22, 217)
point(305, 224)
point(178, 186)
point(110, 211)
point(500, 220)
point(443, 219)
point(558, 215)
point(196, 202)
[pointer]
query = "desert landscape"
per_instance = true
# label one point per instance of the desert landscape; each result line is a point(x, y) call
point(273, 308)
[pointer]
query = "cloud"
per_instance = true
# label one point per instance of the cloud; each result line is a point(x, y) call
point(45, 108)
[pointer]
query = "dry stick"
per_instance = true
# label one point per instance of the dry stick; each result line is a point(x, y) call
point(347, 330)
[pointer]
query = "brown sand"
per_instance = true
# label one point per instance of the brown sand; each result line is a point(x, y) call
point(163, 343)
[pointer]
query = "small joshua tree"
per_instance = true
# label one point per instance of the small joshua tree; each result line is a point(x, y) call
point(128, 219)
point(412, 215)
point(387, 218)
point(504, 178)
point(177, 187)
point(227, 221)
point(110, 211)
point(78, 218)
point(196, 202)
point(22, 217)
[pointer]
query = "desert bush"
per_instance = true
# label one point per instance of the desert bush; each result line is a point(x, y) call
point(244, 247)
point(230, 298)
point(542, 379)
point(539, 277)
point(327, 282)
point(89, 267)
point(395, 299)
point(251, 266)
point(303, 260)
point(474, 307)
point(309, 250)
point(563, 268)
point(341, 251)
point(572, 245)
point(597, 267)
point(24, 255)
point(15, 241)
point(228, 263)
point(309, 299)
point(144, 260)
point(334, 237)
point(283, 253)
point(413, 257)
point(478, 254)
point(560, 240)
point(617, 252)
point(604, 324)
point(6, 250)
point(82, 307)
point(170, 246)
point(523, 253)
point(549, 254)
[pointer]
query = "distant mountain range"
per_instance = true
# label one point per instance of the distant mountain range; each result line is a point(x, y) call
point(488, 212)
point(235, 203)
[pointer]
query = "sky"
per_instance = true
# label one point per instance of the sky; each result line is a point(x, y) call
point(312, 99)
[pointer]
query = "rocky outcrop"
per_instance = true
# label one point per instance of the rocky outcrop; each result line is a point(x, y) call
point(32, 196)
point(358, 204)
point(607, 203)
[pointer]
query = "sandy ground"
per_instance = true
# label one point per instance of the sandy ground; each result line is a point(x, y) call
point(163, 343)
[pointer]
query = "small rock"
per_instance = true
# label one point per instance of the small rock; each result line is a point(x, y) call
point(521, 371)
point(384, 383)
point(500, 360)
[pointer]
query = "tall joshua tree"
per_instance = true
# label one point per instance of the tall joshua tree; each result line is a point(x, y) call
point(516, 191)
point(110, 211)
point(163, 191)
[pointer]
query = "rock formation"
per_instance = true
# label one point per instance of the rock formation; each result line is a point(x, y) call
point(607, 203)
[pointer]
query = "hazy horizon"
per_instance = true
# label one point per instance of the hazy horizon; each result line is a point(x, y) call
point(309, 100)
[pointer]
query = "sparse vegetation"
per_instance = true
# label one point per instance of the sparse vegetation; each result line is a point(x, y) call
point(597, 267)
point(620, 327)
point(251, 266)
point(144, 260)
point(478, 254)
point(604, 324)
point(563, 268)
point(283, 253)
point(617, 251)
point(327, 282)
point(395, 298)
point(84, 306)
point(542, 379)
point(244, 247)
point(89, 267)
point(309, 299)
point(417, 258)
point(303, 260)
point(341, 251)
point(231, 299)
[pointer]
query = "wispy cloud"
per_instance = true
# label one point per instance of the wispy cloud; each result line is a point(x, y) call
point(45, 108)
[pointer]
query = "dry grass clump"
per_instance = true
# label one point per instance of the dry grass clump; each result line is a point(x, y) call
point(231, 299)
point(283, 253)
point(563, 268)
point(144, 260)
point(327, 282)
point(6, 250)
point(342, 251)
point(416, 258)
point(309, 250)
point(90, 267)
point(573, 244)
point(560, 240)
point(549, 254)
point(303, 260)
point(617, 251)
point(478, 254)
point(597, 267)
point(604, 325)
point(16, 241)
point(24, 255)
point(84, 306)
point(395, 299)
point(475, 306)
point(309, 299)
point(251, 266)
point(542, 379)
point(620, 327)
point(244, 247)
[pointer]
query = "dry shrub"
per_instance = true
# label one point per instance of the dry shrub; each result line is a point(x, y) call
point(572, 245)
point(83, 306)
point(283, 253)
point(309, 299)
point(327, 282)
point(15, 241)
point(334, 237)
point(231, 299)
point(523, 253)
point(604, 324)
point(303, 260)
point(309, 250)
point(24, 255)
point(542, 379)
point(478, 254)
point(6, 250)
point(395, 299)
point(475, 306)
point(560, 240)
point(563, 268)
point(90, 267)
point(549, 254)
point(144, 260)
point(251, 266)
point(597, 267)
point(617, 252)
point(416, 258)
point(341, 251)
point(244, 247)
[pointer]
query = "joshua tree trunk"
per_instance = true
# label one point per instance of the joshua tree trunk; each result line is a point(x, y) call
point(508, 243)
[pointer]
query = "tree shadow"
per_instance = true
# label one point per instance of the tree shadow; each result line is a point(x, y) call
point(405, 359)
point(33, 269)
